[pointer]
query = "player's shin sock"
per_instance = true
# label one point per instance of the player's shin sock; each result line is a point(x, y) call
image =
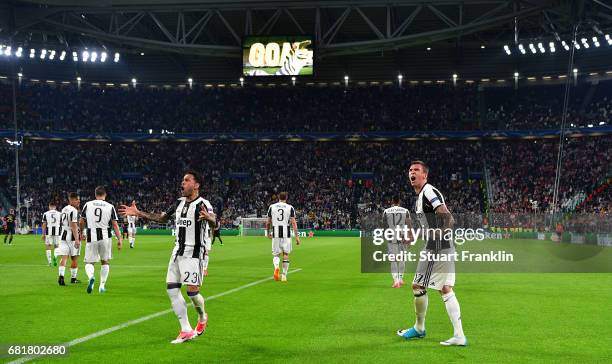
point(179, 305)
point(73, 272)
point(454, 313)
point(276, 262)
point(89, 270)
point(11, 239)
point(104, 269)
point(420, 308)
point(62, 270)
point(198, 304)
point(285, 266)
point(205, 262)
point(48, 256)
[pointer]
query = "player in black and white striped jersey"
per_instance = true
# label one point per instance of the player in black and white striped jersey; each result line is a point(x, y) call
point(281, 217)
point(97, 220)
point(70, 242)
point(51, 232)
point(194, 217)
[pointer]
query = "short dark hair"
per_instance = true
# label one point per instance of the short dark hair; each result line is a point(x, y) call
point(395, 199)
point(423, 164)
point(100, 191)
point(196, 176)
point(73, 195)
point(52, 203)
point(282, 196)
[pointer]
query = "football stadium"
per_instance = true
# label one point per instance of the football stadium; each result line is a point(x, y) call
point(424, 181)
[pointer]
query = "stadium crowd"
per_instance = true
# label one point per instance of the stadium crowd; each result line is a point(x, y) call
point(45, 107)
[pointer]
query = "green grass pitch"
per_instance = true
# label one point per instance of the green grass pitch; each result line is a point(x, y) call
point(328, 312)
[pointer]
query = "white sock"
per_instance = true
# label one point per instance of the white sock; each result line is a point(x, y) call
point(454, 313)
point(62, 270)
point(48, 256)
point(89, 270)
point(131, 241)
point(198, 304)
point(394, 275)
point(73, 272)
point(180, 307)
point(420, 309)
point(276, 262)
point(285, 267)
point(400, 277)
point(104, 269)
point(55, 252)
point(205, 263)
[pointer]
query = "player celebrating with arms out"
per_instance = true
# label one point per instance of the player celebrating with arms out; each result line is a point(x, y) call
point(280, 216)
point(433, 214)
point(193, 218)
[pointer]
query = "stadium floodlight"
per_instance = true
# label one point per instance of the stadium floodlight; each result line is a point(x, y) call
point(43, 54)
point(521, 48)
point(551, 46)
point(346, 78)
point(608, 39)
point(575, 70)
point(565, 46)
point(516, 74)
point(585, 43)
point(482, 46)
point(94, 56)
point(576, 45)
point(62, 55)
point(190, 80)
point(241, 79)
point(116, 59)
point(103, 56)
point(532, 48)
point(52, 55)
point(602, 122)
point(85, 56)
point(400, 77)
point(541, 47)
point(428, 48)
point(590, 125)
point(19, 52)
point(7, 51)
point(507, 49)
point(454, 76)
point(20, 75)
point(133, 81)
point(32, 53)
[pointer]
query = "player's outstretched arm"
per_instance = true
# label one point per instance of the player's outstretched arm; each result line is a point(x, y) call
point(44, 230)
point(268, 224)
point(75, 234)
point(132, 210)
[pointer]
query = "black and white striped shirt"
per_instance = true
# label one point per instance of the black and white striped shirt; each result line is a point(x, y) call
point(427, 202)
point(99, 216)
point(191, 233)
point(68, 216)
point(281, 213)
point(52, 219)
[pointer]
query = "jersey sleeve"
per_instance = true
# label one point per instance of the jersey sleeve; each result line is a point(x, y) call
point(172, 209)
point(44, 217)
point(74, 216)
point(292, 212)
point(434, 197)
point(84, 213)
point(269, 212)
point(114, 216)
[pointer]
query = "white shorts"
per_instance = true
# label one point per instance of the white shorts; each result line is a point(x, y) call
point(68, 248)
point(435, 274)
point(185, 270)
point(131, 230)
point(99, 250)
point(52, 240)
point(281, 245)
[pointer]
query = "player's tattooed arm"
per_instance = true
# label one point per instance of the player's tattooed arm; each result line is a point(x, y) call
point(449, 221)
point(295, 230)
point(132, 210)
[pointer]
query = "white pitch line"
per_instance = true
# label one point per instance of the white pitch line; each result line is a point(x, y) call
point(144, 318)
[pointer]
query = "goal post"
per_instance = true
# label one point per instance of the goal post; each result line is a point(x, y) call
point(253, 226)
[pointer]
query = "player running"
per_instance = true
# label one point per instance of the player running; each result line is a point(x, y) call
point(432, 213)
point(280, 216)
point(394, 217)
point(70, 242)
point(9, 228)
point(98, 216)
point(51, 232)
point(193, 218)
point(131, 220)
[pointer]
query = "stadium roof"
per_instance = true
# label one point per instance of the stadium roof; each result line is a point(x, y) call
point(367, 39)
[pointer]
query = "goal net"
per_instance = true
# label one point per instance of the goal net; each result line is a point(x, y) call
point(253, 226)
